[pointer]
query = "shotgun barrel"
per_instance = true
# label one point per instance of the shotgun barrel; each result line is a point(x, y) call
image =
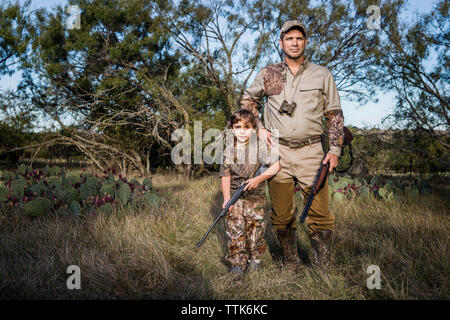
point(319, 182)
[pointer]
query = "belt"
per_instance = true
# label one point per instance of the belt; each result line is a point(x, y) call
point(295, 144)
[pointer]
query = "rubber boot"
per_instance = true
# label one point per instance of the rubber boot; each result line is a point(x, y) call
point(237, 272)
point(288, 241)
point(320, 243)
point(253, 265)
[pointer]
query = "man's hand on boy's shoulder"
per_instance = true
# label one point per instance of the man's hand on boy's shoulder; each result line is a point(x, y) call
point(265, 135)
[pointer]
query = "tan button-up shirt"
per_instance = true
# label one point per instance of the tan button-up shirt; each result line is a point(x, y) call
point(313, 90)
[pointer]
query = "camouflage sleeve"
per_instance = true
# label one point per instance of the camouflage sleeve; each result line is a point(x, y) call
point(335, 125)
point(224, 169)
point(252, 98)
point(333, 114)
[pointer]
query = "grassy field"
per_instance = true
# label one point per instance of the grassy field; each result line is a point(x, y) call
point(151, 254)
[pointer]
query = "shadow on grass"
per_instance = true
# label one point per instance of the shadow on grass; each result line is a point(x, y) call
point(186, 282)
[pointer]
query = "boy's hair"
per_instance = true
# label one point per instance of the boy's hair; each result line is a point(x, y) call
point(242, 114)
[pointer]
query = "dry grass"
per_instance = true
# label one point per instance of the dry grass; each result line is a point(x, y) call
point(151, 254)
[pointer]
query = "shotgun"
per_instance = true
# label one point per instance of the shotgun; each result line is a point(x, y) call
point(230, 202)
point(319, 182)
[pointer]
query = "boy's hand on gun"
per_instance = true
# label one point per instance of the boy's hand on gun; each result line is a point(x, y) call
point(252, 183)
point(224, 204)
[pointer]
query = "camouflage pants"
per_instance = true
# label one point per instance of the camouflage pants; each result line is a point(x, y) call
point(245, 227)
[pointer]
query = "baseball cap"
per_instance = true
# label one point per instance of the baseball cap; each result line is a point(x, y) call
point(291, 24)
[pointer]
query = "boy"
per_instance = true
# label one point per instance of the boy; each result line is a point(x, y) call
point(244, 221)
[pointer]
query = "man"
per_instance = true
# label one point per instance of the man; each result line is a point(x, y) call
point(299, 93)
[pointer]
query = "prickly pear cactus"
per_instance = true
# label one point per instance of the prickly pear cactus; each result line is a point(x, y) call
point(357, 183)
point(75, 208)
point(68, 195)
point(18, 188)
point(135, 182)
point(3, 194)
point(22, 169)
point(89, 188)
point(364, 191)
point(375, 179)
point(73, 179)
point(382, 192)
point(124, 194)
point(62, 211)
point(147, 183)
point(54, 183)
point(150, 199)
point(38, 207)
point(338, 196)
point(38, 192)
point(107, 189)
point(8, 175)
point(35, 189)
point(110, 179)
point(63, 176)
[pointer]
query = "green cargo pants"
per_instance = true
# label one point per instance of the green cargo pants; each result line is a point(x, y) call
point(299, 165)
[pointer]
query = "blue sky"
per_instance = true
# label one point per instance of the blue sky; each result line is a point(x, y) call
point(367, 115)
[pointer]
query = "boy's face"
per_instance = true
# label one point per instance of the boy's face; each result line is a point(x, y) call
point(242, 130)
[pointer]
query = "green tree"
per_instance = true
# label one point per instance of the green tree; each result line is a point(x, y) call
point(232, 39)
point(413, 60)
point(14, 37)
point(109, 79)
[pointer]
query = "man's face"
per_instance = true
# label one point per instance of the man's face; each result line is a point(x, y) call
point(293, 44)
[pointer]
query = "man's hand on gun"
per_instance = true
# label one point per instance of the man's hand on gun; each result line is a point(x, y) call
point(333, 159)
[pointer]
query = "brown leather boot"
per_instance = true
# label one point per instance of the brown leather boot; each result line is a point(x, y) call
point(320, 243)
point(288, 241)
